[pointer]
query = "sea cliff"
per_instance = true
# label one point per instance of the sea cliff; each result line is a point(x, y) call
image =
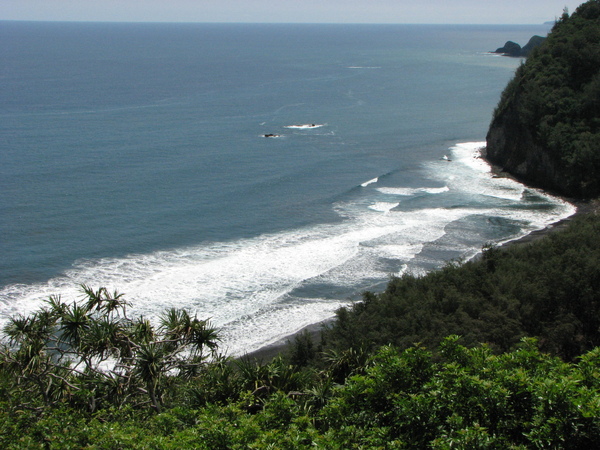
point(546, 128)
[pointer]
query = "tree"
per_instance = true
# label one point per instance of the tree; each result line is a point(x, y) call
point(91, 352)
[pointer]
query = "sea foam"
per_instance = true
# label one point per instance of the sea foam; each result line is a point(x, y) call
point(305, 126)
point(249, 288)
point(372, 181)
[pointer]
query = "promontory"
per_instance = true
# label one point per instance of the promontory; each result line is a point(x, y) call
point(545, 130)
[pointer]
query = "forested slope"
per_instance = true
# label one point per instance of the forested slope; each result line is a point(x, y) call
point(550, 289)
point(546, 128)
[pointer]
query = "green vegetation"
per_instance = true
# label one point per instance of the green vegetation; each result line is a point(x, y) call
point(550, 290)
point(546, 128)
point(85, 375)
point(460, 398)
point(391, 371)
point(91, 355)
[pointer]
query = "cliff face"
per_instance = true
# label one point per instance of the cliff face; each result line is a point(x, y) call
point(546, 128)
point(513, 147)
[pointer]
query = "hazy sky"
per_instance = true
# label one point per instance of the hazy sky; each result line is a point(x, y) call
point(312, 11)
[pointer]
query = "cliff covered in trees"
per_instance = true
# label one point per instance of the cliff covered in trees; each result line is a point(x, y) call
point(546, 128)
point(550, 290)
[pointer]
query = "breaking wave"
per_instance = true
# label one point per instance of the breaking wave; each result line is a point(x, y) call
point(261, 289)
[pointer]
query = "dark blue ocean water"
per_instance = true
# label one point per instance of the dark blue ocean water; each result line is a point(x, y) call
point(133, 156)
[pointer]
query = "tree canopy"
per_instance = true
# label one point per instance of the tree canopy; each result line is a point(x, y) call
point(552, 106)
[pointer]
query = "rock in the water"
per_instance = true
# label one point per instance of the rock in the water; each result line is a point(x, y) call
point(513, 49)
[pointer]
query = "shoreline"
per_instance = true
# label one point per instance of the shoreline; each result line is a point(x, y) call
point(582, 207)
point(268, 352)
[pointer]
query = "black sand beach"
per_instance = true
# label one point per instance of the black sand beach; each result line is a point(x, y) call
point(269, 352)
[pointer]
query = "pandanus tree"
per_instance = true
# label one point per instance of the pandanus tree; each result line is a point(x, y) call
point(92, 352)
point(153, 360)
point(74, 323)
point(188, 337)
point(102, 300)
point(180, 328)
point(25, 357)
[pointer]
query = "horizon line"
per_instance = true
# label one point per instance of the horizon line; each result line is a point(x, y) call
point(550, 22)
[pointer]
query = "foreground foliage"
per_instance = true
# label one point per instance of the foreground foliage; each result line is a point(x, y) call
point(85, 375)
point(461, 398)
point(91, 355)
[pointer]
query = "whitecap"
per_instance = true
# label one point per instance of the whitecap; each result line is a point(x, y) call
point(372, 181)
point(478, 178)
point(305, 126)
point(404, 191)
point(436, 190)
point(383, 206)
point(398, 191)
point(400, 251)
point(469, 154)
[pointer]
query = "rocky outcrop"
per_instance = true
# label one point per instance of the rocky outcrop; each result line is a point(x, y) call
point(513, 49)
point(510, 49)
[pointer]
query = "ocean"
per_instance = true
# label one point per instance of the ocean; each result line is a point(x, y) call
point(134, 157)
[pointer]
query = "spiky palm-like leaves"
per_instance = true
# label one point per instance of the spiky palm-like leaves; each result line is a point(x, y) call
point(74, 323)
point(27, 360)
point(89, 346)
point(103, 301)
point(37, 327)
point(180, 328)
point(203, 336)
point(152, 362)
point(342, 364)
point(103, 338)
point(176, 324)
point(142, 330)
